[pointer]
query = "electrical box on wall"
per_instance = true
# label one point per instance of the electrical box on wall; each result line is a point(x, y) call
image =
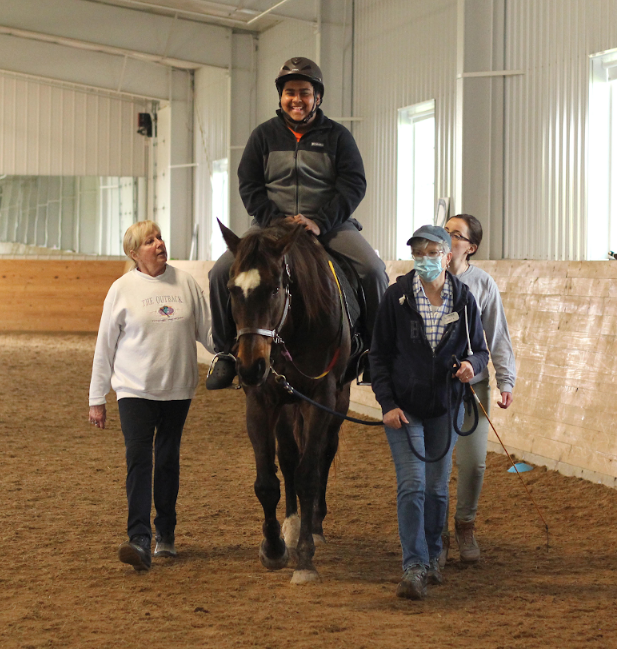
point(144, 124)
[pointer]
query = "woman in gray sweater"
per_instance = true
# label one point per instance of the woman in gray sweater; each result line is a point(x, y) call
point(466, 234)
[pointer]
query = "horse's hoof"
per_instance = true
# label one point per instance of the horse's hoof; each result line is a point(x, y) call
point(304, 577)
point(273, 564)
point(319, 539)
point(291, 530)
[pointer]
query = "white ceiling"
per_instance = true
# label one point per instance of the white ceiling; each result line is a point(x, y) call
point(253, 15)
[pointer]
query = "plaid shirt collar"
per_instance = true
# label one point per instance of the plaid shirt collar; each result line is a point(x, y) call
point(433, 320)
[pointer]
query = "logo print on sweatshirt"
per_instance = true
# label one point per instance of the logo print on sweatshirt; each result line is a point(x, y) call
point(166, 310)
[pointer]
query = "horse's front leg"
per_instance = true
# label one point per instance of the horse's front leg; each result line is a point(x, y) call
point(260, 423)
point(307, 486)
point(330, 448)
point(288, 456)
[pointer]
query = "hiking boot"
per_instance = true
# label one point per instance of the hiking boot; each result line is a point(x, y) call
point(413, 584)
point(434, 576)
point(165, 546)
point(222, 372)
point(445, 548)
point(136, 552)
point(467, 544)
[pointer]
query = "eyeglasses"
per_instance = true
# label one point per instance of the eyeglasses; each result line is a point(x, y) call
point(433, 254)
point(458, 237)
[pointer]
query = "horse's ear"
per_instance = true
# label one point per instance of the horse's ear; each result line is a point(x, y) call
point(232, 240)
point(287, 241)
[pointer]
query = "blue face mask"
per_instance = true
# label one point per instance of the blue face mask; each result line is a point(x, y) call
point(428, 269)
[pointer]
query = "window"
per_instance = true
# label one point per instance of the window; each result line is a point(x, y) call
point(602, 157)
point(415, 196)
point(220, 205)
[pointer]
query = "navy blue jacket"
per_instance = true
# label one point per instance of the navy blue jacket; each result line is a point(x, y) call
point(406, 372)
point(321, 176)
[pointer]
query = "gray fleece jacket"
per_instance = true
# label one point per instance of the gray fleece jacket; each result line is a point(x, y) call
point(484, 289)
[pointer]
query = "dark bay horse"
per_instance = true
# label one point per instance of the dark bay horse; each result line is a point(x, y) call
point(290, 321)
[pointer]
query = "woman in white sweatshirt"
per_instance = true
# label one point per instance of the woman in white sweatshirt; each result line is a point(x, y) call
point(466, 233)
point(146, 352)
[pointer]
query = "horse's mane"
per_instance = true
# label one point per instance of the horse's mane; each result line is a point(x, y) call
point(308, 263)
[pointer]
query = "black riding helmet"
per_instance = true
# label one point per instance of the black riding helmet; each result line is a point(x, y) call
point(299, 67)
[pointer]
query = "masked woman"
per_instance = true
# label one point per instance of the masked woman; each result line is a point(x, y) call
point(425, 318)
point(146, 352)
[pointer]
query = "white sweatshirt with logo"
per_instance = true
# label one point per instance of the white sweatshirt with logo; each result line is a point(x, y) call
point(146, 342)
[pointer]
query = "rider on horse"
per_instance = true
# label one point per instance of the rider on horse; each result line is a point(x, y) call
point(302, 166)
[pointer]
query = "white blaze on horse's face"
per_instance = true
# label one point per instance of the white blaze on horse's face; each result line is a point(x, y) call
point(248, 280)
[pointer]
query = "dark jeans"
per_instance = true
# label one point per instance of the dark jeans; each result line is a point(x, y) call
point(140, 418)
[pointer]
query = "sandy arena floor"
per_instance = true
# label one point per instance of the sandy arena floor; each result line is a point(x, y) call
point(62, 517)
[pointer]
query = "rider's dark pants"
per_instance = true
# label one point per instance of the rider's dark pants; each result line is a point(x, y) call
point(140, 419)
point(346, 240)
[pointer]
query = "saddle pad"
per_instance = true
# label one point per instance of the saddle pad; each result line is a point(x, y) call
point(349, 295)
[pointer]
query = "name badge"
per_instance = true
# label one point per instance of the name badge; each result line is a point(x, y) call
point(451, 317)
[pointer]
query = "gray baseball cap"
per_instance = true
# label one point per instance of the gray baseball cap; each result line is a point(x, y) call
point(432, 233)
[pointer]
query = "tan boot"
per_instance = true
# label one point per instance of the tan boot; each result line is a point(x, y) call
point(467, 544)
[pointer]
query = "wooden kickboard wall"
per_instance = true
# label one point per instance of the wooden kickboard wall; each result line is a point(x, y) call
point(562, 318)
point(53, 296)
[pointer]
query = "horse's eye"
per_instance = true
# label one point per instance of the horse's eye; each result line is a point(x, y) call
point(275, 292)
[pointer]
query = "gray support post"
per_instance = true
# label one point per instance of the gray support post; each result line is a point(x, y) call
point(480, 122)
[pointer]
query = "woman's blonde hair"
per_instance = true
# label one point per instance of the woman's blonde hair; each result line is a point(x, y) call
point(136, 235)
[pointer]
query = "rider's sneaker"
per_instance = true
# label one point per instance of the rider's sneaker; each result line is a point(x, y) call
point(413, 584)
point(468, 547)
point(222, 372)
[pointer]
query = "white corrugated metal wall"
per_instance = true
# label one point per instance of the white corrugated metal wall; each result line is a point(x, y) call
point(405, 53)
point(60, 129)
point(546, 116)
point(211, 132)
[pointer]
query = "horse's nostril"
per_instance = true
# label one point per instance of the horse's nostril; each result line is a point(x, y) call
point(254, 374)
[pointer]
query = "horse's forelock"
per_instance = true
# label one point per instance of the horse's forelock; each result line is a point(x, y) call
point(260, 249)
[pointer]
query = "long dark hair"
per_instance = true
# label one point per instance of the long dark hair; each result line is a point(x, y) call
point(475, 230)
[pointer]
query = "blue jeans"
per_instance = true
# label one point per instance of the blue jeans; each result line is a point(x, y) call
point(422, 488)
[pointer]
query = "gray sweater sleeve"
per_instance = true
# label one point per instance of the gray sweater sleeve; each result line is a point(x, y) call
point(485, 290)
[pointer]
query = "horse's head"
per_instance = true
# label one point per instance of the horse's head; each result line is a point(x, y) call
point(259, 289)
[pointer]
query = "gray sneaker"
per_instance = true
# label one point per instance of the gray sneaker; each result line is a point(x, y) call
point(434, 576)
point(467, 544)
point(165, 547)
point(413, 584)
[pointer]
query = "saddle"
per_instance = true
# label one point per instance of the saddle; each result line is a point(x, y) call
point(355, 308)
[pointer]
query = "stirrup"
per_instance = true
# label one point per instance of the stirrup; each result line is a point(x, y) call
point(364, 367)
